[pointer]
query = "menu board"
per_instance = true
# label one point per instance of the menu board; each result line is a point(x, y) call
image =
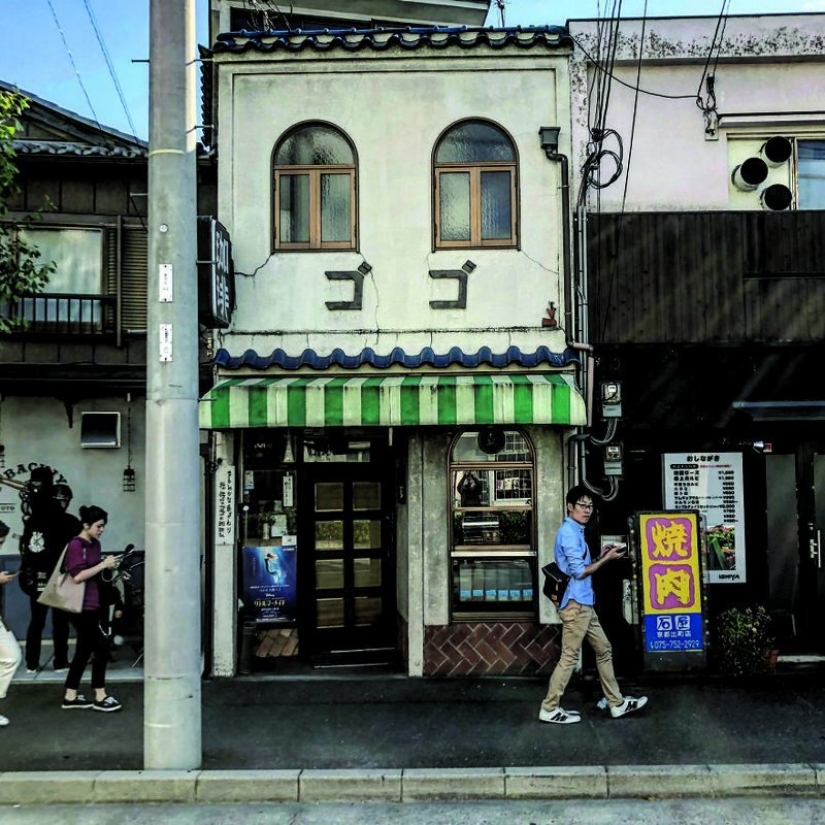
point(712, 484)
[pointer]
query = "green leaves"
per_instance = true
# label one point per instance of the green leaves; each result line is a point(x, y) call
point(744, 641)
point(21, 271)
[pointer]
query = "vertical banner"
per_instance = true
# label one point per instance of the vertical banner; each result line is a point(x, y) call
point(225, 504)
point(712, 484)
point(672, 587)
point(270, 591)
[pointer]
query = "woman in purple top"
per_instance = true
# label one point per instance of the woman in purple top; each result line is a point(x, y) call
point(84, 562)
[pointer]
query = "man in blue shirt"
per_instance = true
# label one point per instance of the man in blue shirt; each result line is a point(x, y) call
point(578, 615)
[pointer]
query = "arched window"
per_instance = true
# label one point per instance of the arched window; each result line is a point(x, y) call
point(475, 181)
point(492, 547)
point(315, 189)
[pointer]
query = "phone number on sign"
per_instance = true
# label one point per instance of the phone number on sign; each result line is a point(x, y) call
point(675, 644)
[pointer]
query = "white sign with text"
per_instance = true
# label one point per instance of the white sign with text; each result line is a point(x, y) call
point(712, 484)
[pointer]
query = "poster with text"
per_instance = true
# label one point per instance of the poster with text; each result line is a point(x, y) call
point(712, 484)
point(270, 582)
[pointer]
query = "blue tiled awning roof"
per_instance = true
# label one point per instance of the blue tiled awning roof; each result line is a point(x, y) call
point(455, 356)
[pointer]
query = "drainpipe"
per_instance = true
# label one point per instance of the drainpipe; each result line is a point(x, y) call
point(549, 137)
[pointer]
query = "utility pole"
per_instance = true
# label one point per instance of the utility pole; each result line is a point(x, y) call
point(172, 663)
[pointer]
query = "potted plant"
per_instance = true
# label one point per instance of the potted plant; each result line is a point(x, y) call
point(744, 642)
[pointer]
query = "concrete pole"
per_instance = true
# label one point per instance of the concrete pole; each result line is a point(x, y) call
point(172, 663)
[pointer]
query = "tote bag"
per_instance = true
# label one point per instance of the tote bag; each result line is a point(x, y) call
point(61, 591)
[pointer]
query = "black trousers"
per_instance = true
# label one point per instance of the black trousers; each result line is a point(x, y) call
point(34, 635)
point(91, 642)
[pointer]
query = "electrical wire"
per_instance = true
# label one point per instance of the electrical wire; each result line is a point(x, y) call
point(620, 226)
point(108, 59)
point(599, 68)
point(74, 65)
point(719, 32)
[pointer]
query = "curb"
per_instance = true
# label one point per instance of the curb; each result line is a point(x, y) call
point(411, 785)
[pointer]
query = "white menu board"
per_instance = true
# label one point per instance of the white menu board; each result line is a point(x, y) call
point(712, 484)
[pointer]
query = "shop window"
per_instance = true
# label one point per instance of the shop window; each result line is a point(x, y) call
point(475, 187)
point(492, 542)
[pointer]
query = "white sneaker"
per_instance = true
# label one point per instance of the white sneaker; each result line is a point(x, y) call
point(630, 705)
point(559, 716)
point(602, 704)
point(3, 720)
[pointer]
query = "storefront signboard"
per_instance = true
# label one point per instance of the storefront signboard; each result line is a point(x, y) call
point(225, 505)
point(712, 484)
point(270, 581)
point(671, 583)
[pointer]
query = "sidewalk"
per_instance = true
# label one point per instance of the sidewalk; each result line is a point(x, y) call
point(392, 737)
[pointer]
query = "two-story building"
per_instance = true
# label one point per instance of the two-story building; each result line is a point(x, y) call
point(73, 375)
point(72, 379)
point(394, 399)
point(706, 288)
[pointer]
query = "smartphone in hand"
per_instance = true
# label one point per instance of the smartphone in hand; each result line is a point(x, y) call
point(621, 547)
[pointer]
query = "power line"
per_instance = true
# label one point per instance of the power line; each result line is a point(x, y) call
point(74, 65)
point(112, 72)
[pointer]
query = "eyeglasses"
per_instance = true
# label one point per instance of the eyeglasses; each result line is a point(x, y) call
point(584, 505)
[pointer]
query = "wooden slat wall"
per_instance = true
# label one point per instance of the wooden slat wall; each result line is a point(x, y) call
point(707, 277)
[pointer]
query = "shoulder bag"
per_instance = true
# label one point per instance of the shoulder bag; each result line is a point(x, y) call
point(555, 582)
point(61, 591)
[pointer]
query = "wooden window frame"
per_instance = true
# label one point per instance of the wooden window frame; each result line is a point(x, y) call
point(315, 174)
point(475, 171)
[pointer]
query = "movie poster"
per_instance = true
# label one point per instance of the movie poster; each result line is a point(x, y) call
point(270, 581)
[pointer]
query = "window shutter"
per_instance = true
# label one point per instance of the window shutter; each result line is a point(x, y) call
point(134, 266)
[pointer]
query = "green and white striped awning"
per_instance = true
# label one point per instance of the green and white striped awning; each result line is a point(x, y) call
point(393, 400)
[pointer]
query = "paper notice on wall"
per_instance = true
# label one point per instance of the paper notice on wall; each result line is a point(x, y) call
point(712, 483)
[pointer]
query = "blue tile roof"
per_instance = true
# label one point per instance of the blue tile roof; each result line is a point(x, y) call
point(455, 356)
point(381, 39)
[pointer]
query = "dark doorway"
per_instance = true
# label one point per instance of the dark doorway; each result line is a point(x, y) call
point(795, 485)
point(348, 594)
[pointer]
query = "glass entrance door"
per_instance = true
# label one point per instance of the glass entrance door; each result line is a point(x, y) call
point(352, 563)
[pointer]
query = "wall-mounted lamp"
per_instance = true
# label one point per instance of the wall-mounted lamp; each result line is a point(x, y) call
point(468, 266)
point(129, 480)
point(364, 268)
point(549, 139)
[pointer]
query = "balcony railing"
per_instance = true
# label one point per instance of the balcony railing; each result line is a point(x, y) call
point(64, 314)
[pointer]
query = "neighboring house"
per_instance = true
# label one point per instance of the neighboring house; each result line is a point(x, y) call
point(72, 381)
point(401, 325)
point(706, 288)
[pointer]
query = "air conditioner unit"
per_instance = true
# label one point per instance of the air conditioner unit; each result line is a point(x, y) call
point(100, 430)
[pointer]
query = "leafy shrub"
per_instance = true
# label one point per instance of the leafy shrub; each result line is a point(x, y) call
point(744, 641)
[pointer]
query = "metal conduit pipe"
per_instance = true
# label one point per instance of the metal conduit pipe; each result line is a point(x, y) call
point(549, 142)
